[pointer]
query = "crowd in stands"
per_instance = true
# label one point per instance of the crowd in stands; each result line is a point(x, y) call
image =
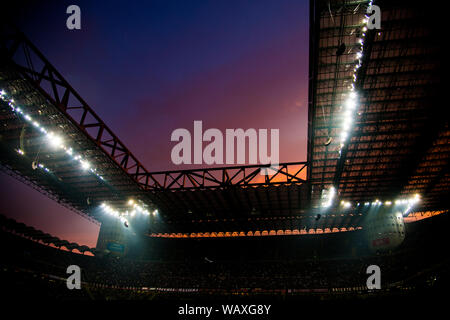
point(28, 265)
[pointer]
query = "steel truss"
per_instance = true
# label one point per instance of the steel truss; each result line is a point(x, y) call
point(39, 72)
point(179, 195)
point(222, 177)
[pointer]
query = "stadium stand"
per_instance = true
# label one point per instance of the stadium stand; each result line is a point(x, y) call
point(29, 266)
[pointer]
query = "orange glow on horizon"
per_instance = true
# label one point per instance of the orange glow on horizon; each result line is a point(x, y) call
point(257, 233)
point(292, 170)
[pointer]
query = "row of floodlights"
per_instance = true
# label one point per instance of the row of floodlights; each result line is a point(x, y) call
point(135, 209)
point(350, 104)
point(54, 140)
point(409, 202)
point(328, 196)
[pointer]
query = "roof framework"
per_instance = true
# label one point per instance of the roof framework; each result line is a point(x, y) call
point(38, 87)
point(214, 196)
point(239, 197)
point(398, 144)
point(399, 141)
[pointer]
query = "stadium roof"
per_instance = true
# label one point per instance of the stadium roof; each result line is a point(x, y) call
point(375, 132)
point(52, 140)
point(392, 140)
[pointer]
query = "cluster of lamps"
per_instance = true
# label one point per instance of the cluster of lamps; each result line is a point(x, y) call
point(408, 202)
point(350, 103)
point(53, 139)
point(349, 109)
point(327, 197)
point(124, 215)
point(57, 142)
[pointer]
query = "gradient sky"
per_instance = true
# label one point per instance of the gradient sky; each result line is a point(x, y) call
point(150, 67)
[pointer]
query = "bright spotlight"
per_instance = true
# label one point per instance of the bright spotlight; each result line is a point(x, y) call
point(347, 123)
point(55, 140)
point(345, 204)
point(416, 198)
point(85, 165)
point(347, 114)
point(327, 197)
point(351, 104)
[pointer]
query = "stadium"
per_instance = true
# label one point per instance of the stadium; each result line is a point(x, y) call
point(373, 190)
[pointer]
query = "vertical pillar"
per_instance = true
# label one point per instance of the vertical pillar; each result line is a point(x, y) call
point(113, 236)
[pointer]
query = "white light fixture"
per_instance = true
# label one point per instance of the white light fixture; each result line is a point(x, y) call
point(55, 140)
point(328, 196)
point(136, 209)
point(408, 202)
point(351, 103)
point(85, 165)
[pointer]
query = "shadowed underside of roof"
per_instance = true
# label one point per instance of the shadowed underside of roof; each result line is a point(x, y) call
point(398, 144)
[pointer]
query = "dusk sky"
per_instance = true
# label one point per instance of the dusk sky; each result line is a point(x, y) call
point(150, 67)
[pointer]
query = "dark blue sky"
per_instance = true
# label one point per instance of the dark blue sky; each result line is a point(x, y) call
point(150, 67)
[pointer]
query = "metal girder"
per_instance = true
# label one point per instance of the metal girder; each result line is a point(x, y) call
point(243, 176)
point(38, 71)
